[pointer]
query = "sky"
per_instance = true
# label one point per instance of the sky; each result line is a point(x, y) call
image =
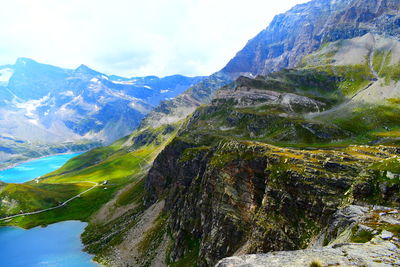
point(133, 37)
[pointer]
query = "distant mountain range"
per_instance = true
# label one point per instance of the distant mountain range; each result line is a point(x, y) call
point(47, 106)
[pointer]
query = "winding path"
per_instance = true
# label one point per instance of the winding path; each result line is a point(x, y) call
point(72, 198)
point(53, 208)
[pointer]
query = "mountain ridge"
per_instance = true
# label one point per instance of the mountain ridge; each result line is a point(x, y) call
point(46, 105)
point(309, 25)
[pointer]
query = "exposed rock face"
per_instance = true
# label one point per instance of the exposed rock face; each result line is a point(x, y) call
point(381, 247)
point(380, 254)
point(303, 29)
point(247, 96)
point(248, 197)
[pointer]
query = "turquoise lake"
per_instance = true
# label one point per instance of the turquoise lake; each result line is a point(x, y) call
point(32, 169)
point(57, 245)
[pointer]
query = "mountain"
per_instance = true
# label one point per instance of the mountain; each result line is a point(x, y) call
point(290, 36)
point(47, 105)
point(294, 151)
point(304, 28)
point(271, 160)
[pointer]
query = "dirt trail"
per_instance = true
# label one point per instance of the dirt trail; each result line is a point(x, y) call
point(53, 208)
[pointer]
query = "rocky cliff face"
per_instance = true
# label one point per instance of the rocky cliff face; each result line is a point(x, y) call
point(303, 29)
point(375, 225)
point(245, 197)
point(231, 193)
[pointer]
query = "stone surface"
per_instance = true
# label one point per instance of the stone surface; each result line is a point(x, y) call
point(252, 197)
point(382, 254)
point(385, 235)
point(379, 251)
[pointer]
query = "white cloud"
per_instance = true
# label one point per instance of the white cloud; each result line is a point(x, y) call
point(132, 37)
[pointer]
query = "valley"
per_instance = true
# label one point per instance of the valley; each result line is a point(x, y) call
point(77, 176)
point(287, 156)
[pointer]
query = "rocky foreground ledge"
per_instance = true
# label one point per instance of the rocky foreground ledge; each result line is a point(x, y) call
point(379, 225)
point(377, 253)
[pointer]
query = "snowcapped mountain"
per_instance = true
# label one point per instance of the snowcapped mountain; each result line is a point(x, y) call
point(47, 105)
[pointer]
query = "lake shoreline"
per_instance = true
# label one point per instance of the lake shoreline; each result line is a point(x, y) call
point(13, 165)
point(40, 225)
point(35, 168)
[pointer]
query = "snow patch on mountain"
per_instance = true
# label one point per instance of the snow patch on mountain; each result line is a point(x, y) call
point(30, 106)
point(121, 95)
point(137, 106)
point(64, 112)
point(34, 121)
point(5, 75)
point(67, 93)
point(95, 85)
point(124, 82)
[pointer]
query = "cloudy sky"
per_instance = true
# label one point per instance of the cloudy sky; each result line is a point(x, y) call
point(133, 37)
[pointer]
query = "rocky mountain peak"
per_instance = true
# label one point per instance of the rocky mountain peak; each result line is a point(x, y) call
point(24, 61)
point(303, 29)
point(86, 70)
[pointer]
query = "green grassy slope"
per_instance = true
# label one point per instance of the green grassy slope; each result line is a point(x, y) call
point(122, 163)
point(40, 196)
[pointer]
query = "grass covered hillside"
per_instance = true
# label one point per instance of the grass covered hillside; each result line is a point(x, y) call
point(112, 168)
